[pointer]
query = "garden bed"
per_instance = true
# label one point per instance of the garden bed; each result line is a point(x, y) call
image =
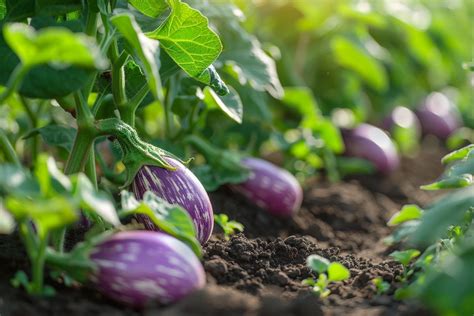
point(259, 272)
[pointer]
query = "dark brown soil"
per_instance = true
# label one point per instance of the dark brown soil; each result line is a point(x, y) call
point(260, 271)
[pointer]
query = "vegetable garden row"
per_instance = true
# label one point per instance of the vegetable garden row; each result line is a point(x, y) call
point(246, 157)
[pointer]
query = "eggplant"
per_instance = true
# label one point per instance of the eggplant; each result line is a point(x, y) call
point(271, 188)
point(438, 115)
point(179, 187)
point(371, 143)
point(136, 268)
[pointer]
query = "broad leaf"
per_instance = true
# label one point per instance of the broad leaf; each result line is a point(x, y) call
point(230, 104)
point(55, 45)
point(47, 214)
point(56, 135)
point(14, 180)
point(354, 58)
point(142, 47)
point(405, 256)
point(95, 201)
point(187, 38)
point(317, 263)
point(57, 7)
point(170, 218)
point(407, 213)
point(151, 8)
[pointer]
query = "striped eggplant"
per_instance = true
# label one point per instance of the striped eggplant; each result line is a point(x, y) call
point(271, 188)
point(180, 187)
point(371, 143)
point(140, 267)
point(438, 116)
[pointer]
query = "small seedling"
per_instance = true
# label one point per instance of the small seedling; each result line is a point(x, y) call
point(229, 227)
point(327, 272)
point(405, 257)
point(381, 285)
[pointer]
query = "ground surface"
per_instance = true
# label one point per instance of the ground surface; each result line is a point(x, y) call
point(259, 272)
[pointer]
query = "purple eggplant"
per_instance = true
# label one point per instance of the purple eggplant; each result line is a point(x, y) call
point(180, 187)
point(371, 143)
point(438, 116)
point(271, 188)
point(140, 267)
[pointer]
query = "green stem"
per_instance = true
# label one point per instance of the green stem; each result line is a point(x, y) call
point(85, 136)
point(8, 150)
point(14, 83)
point(118, 75)
point(128, 112)
point(91, 23)
point(90, 167)
point(38, 267)
point(34, 124)
point(168, 102)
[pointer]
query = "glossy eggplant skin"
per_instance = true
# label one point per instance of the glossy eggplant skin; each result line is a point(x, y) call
point(371, 143)
point(180, 187)
point(140, 267)
point(271, 188)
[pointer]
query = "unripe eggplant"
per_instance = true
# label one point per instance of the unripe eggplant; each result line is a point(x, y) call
point(140, 267)
point(438, 116)
point(371, 143)
point(180, 187)
point(271, 188)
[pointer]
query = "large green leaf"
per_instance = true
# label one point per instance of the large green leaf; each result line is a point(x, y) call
point(187, 38)
point(230, 104)
point(142, 47)
point(52, 45)
point(56, 135)
point(244, 54)
point(354, 58)
point(151, 8)
point(20, 9)
point(449, 210)
point(57, 7)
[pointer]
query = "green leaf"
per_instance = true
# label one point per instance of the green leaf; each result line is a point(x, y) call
point(229, 227)
point(170, 218)
point(53, 45)
point(317, 263)
point(458, 154)
point(244, 54)
point(151, 8)
point(7, 223)
point(405, 256)
point(187, 39)
point(57, 7)
point(212, 79)
point(3, 9)
point(14, 180)
point(47, 214)
point(20, 9)
point(354, 58)
point(55, 135)
point(95, 201)
point(452, 182)
point(142, 47)
point(46, 81)
point(407, 213)
point(447, 211)
point(229, 104)
point(338, 272)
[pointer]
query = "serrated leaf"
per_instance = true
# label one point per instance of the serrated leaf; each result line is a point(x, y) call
point(52, 45)
point(317, 263)
point(144, 48)
point(151, 8)
point(338, 272)
point(170, 218)
point(229, 104)
point(407, 213)
point(351, 56)
point(187, 39)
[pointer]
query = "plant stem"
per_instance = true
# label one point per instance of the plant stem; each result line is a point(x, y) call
point(37, 268)
point(34, 124)
point(85, 136)
point(13, 84)
point(168, 102)
point(128, 112)
point(118, 75)
point(8, 150)
point(90, 167)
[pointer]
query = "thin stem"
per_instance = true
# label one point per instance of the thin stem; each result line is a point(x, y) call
point(128, 113)
point(13, 84)
point(91, 23)
point(168, 102)
point(118, 75)
point(90, 167)
point(38, 266)
point(33, 117)
point(8, 150)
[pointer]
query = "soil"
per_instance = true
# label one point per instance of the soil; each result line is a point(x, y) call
point(259, 271)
